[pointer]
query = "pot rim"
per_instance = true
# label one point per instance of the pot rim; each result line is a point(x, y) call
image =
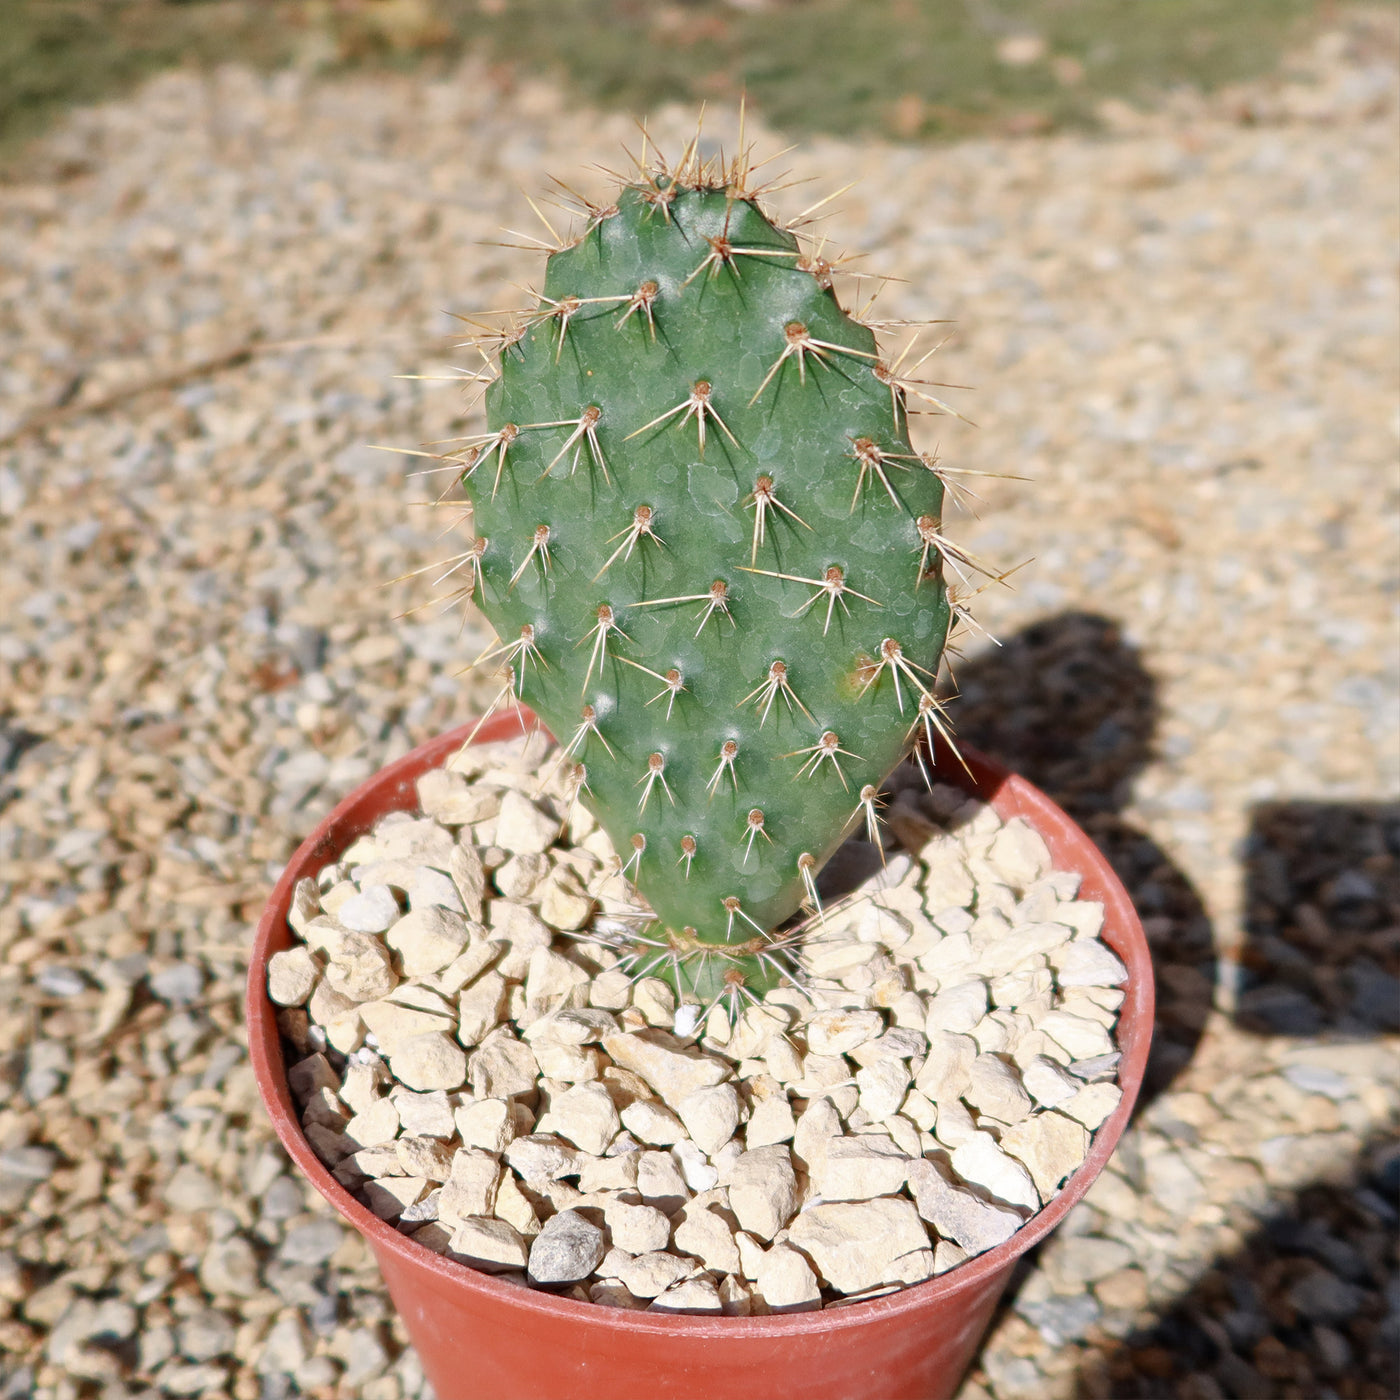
point(1007, 792)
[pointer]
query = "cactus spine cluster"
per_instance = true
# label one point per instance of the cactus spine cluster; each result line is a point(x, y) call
point(712, 556)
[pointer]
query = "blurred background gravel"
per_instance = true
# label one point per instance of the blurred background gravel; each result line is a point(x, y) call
point(1179, 316)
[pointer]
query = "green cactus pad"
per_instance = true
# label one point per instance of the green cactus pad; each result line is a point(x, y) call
point(712, 557)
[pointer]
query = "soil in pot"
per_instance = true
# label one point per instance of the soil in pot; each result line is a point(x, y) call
point(472, 1059)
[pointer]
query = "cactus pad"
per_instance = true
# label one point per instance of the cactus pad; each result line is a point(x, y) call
point(711, 555)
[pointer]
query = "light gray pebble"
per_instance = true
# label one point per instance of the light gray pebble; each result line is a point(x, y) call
point(179, 984)
point(312, 1243)
point(56, 980)
point(567, 1249)
point(230, 1266)
point(205, 1334)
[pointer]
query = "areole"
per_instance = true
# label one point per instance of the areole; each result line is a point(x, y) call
point(481, 1339)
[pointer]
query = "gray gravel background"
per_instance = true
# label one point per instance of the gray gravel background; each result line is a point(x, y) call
point(1183, 331)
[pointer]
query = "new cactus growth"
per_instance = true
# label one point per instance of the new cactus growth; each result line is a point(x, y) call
point(712, 556)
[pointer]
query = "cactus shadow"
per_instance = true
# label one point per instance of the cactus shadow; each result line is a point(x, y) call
point(1068, 704)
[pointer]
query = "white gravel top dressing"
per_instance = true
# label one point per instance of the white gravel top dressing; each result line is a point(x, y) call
point(474, 1062)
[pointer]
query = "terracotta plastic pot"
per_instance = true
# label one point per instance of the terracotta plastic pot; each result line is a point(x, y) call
point(481, 1339)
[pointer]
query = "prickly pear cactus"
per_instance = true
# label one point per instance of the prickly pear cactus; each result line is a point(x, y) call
point(711, 555)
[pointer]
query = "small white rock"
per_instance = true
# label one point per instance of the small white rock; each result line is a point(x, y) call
point(705, 1235)
point(638, 1229)
point(360, 967)
point(1050, 1146)
point(817, 1126)
point(305, 905)
point(292, 975)
point(613, 1293)
point(770, 1121)
point(956, 1009)
point(388, 1197)
point(947, 1255)
point(699, 1173)
point(653, 1123)
point(763, 1190)
point(981, 1162)
point(572, 1026)
point(520, 876)
point(468, 965)
point(470, 1188)
point(994, 1087)
point(948, 1069)
point(391, 1023)
point(955, 1124)
point(1047, 1083)
point(711, 1116)
point(469, 875)
point(513, 1206)
point(489, 1244)
point(696, 1296)
point(656, 1002)
point(435, 887)
point(541, 1157)
point(859, 1168)
point(553, 981)
point(1004, 949)
point(584, 1115)
point(1084, 916)
point(785, 1282)
point(379, 1122)
point(570, 1064)
point(563, 901)
point(609, 1174)
point(671, 1072)
point(835, 1032)
point(485, 1123)
point(647, 1275)
point(521, 826)
point(610, 990)
point(480, 1008)
point(1019, 852)
point(1088, 963)
point(425, 1157)
point(373, 910)
point(521, 930)
point(660, 1183)
point(502, 1066)
point(1080, 1037)
point(428, 939)
point(857, 1245)
point(1092, 1104)
point(882, 1087)
point(735, 1300)
point(424, 1115)
point(957, 1213)
point(426, 1062)
point(947, 884)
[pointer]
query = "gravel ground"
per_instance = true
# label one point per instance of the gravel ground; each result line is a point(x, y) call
point(1183, 332)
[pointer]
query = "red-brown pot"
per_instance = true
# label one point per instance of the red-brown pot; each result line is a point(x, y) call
point(480, 1339)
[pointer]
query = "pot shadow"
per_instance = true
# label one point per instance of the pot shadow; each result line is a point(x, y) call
point(1321, 956)
point(1068, 704)
point(1310, 1303)
point(1300, 1309)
